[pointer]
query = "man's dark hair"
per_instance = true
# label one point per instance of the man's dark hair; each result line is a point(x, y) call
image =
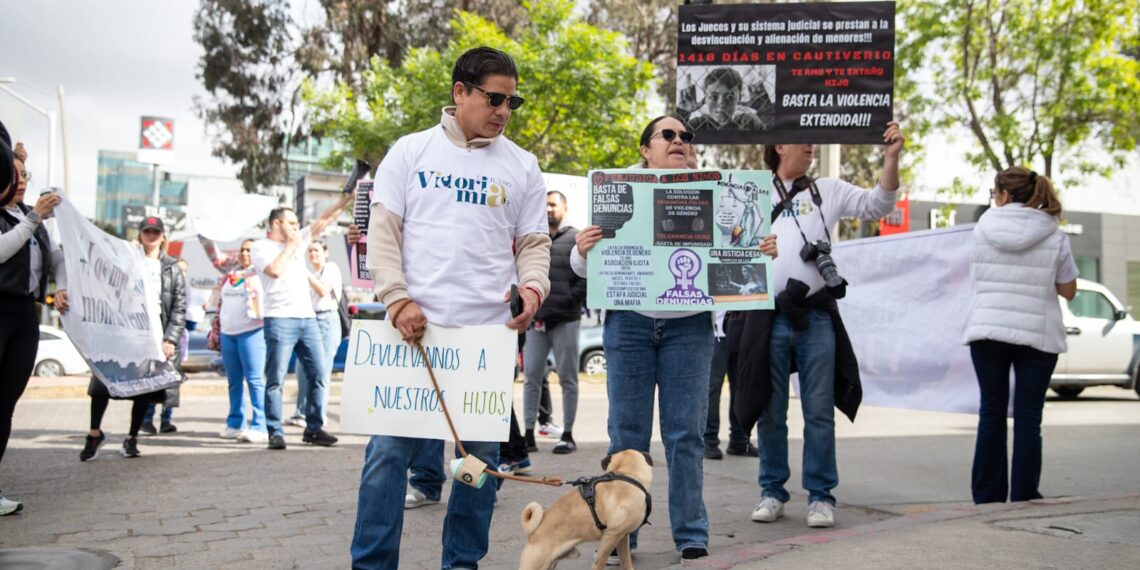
point(726, 76)
point(771, 157)
point(561, 196)
point(477, 63)
point(278, 213)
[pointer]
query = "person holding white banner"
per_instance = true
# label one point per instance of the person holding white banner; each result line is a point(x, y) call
point(165, 277)
point(458, 217)
point(806, 332)
point(28, 258)
point(1020, 263)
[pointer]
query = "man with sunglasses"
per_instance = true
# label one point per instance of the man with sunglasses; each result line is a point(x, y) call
point(458, 216)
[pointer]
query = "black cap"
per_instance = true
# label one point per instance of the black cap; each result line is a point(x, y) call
point(152, 222)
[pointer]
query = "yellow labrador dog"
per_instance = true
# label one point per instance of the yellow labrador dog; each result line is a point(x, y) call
point(605, 508)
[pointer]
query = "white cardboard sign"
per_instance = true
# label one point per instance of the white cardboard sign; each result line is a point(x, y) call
point(387, 390)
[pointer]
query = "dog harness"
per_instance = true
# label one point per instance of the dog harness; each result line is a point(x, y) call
point(586, 488)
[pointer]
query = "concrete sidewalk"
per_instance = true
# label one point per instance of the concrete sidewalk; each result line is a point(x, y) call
point(196, 501)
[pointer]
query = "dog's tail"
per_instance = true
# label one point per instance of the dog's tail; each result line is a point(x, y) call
point(531, 517)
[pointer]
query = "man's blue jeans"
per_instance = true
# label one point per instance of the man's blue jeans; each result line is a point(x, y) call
point(283, 336)
point(244, 356)
point(329, 324)
point(148, 417)
point(671, 357)
point(1032, 370)
point(427, 469)
point(380, 508)
point(814, 351)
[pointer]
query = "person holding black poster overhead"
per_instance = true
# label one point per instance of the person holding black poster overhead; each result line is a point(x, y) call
point(664, 352)
point(805, 332)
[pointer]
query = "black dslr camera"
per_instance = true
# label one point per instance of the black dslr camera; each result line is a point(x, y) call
point(819, 251)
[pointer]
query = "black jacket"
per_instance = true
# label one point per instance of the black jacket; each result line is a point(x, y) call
point(567, 290)
point(173, 297)
point(15, 272)
point(754, 374)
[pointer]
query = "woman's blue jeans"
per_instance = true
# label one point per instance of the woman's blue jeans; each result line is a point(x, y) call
point(244, 357)
point(1032, 370)
point(670, 357)
point(814, 352)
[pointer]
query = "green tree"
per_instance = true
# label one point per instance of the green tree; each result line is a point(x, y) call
point(585, 94)
point(247, 71)
point(1046, 83)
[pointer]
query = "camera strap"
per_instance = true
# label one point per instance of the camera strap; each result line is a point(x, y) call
point(804, 182)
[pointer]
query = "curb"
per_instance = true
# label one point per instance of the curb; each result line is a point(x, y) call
point(758, 552)
point(75, 387)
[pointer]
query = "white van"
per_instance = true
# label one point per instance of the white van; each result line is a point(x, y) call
point(1104, 343)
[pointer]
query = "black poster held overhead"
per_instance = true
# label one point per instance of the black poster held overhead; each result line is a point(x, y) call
point(818, 73)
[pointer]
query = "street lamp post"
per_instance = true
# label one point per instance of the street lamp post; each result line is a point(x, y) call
point(51, 118)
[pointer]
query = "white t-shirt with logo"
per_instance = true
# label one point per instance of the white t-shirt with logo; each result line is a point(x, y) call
point(840, 199)
point(239, 313)
point(331, 276)
point(288, 295)
point(462, 210)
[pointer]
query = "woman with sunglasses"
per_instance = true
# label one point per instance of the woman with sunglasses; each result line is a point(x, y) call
point(240, 328)
point(27, 259)
point(664, 352)
point(1020, 263)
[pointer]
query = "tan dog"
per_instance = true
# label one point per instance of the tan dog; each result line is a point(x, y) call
point(620, 506)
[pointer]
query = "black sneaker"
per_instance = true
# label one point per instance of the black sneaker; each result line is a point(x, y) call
point(130, 448)
point(319, 437)
point(276, 442)
point(712, 451)
point(167, 428)
point(91, 447)
point(531, 446)
point(148, 429)
point(694, 552)
point(747, 450)
point(565, 446)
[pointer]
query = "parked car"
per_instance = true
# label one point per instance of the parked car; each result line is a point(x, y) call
point(1104, 343)
point(591, 357)
point(57, 356)
point(200, 358)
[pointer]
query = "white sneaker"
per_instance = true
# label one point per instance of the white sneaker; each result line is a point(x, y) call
point(298, 421)
point(550, 430)
point(8, 507)
point(250, 436)
point(821, 514)
point(769, 509)
point(229, 433)
point(416, 499)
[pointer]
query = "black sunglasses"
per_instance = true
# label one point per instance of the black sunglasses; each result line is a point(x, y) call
point(670, 134)
point(496, 99)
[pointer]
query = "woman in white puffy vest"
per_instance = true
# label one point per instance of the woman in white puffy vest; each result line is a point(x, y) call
point(1020, 262)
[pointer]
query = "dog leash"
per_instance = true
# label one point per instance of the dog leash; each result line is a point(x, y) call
point(550, 481)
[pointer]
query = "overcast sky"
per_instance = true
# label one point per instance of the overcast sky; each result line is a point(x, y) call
point(118, 60)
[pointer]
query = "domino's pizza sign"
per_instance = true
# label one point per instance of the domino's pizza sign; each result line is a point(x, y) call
point(156, 140)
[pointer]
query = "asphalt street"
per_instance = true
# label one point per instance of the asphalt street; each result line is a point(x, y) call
point(196, 501)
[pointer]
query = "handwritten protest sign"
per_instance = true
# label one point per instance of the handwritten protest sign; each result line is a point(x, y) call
point(387, 390)
point(820, 72)
point(114, 317)
point(679, 240)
